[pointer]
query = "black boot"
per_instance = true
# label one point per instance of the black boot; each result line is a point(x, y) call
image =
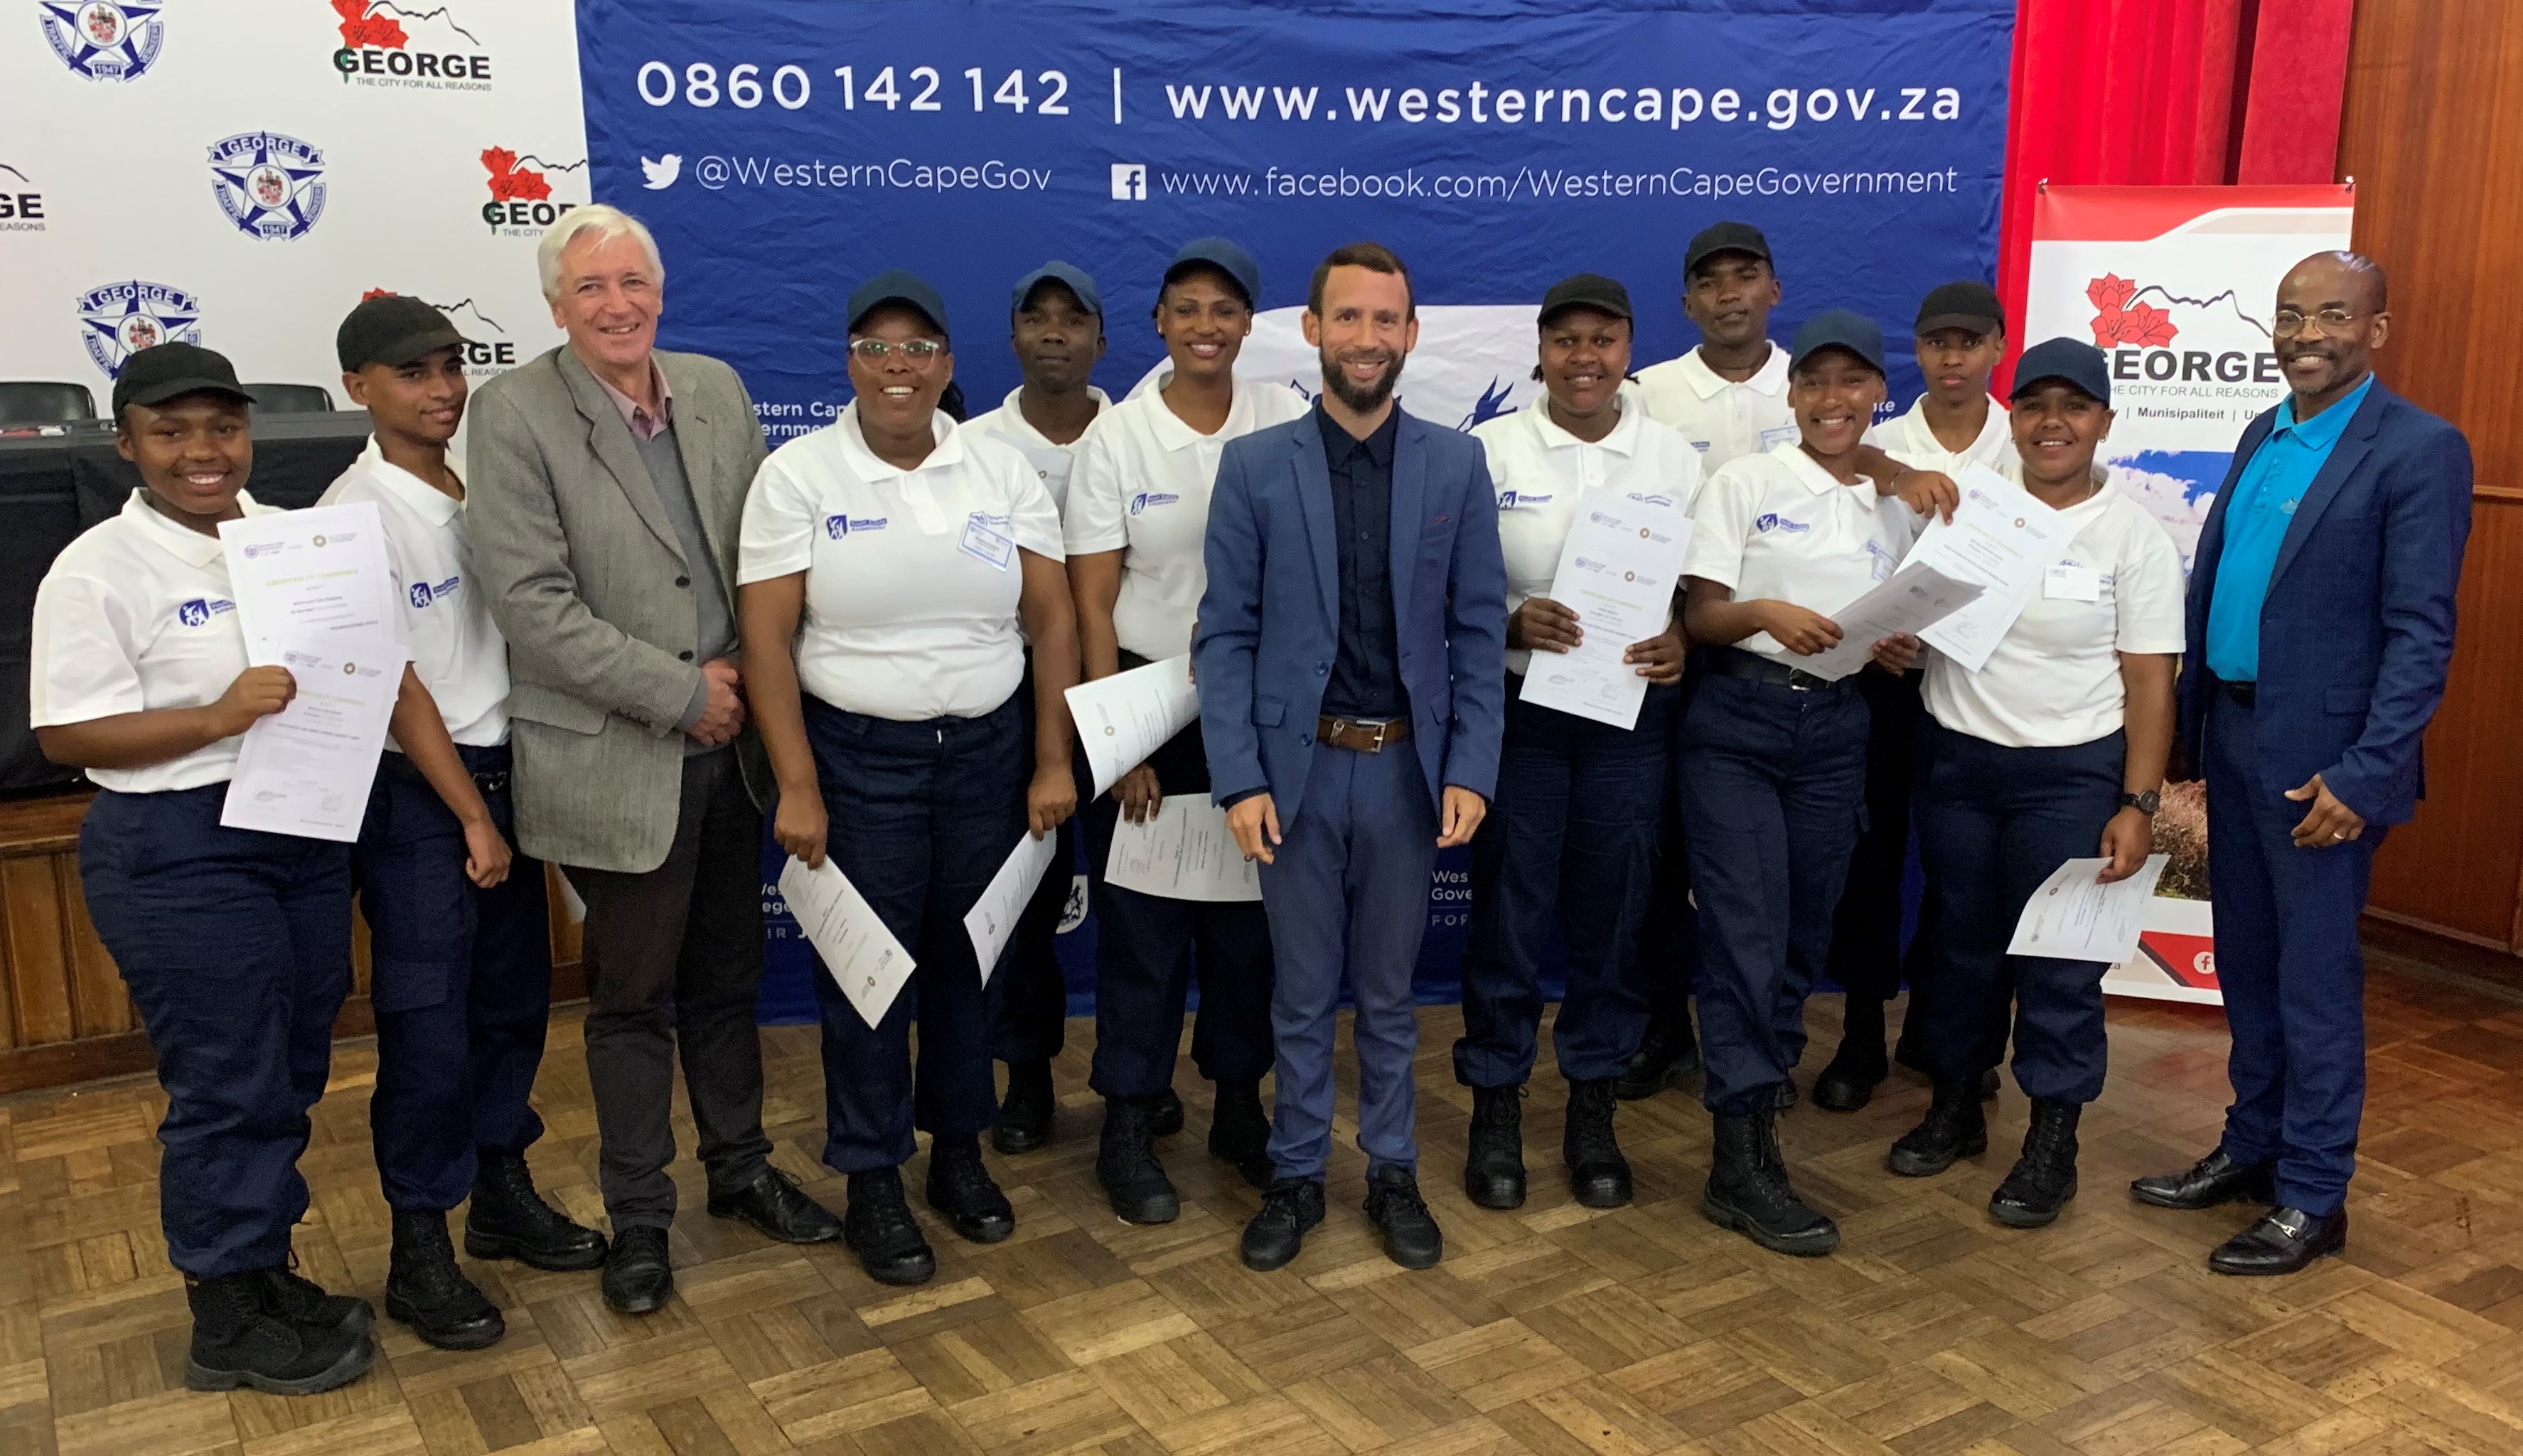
point(303, 1301)
point(1666, 1055)
point(960, 1188)
point(1953, 1128)
point(509, 1220)
point(240, 1338)
point(1748, 1191)
point(1168, 1119)
point(427, 1292)
point(2044, 1179)
point(1494, 1163)
point(1239, 1132)
point(1025, 1113)
point(880, 1228)
point(1848, 1082)
point(1126, 1163)
point(1597, 1172)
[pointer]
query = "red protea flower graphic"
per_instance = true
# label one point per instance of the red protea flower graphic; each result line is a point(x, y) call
point(511, 183)
point(359, 28)
point(2120, 319)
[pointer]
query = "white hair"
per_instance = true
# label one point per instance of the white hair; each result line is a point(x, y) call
point(598, 223)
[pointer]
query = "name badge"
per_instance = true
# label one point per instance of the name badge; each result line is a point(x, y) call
point(1880, 558)
point(2066, 581)
point(987, 546)
point(1772, 438)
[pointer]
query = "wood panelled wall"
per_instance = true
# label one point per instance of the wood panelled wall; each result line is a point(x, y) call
point(2433, 135)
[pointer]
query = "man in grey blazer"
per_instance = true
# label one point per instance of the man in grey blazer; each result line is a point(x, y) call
point(608, 480)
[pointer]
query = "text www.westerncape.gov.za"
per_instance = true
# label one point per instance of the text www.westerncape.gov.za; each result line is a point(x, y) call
point(1477, 103)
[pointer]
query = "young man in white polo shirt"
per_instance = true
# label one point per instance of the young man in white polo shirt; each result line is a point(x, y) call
point(459, 930)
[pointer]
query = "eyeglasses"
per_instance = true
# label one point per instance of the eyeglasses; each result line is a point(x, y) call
point(2290, 323)
point(877, 351)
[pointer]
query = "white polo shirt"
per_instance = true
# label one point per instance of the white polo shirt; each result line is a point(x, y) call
point(1051, 459)
point(1141, 488)
point(1723, 420)
point(1544, 476)
point(1906, 438)
point(446, 616)
point(913, 577)
point(1778, 526)
point(134, 615)
point(2054, 678)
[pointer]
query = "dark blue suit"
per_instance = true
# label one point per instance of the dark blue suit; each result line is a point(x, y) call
point(1348, 891)
point(2355, 635)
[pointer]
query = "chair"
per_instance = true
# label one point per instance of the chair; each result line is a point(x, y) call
point(291, 398)
point(42, 403)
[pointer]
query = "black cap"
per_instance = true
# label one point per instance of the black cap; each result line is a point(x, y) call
point(1224, 255)
point(169, 371)
point(1722, 237)
point(392, 330)
point(898, 286)
point(2070, 361)
point(1969, 305)
point(1838, 328)
point(1587, 291)
point(1068, 276)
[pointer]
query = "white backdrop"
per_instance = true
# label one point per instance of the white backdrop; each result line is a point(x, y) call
point(240, 172)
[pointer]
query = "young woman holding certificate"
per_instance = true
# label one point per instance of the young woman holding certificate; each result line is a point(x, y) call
point(2054, 750)
point(1570, 840)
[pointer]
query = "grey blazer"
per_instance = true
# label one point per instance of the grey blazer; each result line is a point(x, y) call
point(584, 573)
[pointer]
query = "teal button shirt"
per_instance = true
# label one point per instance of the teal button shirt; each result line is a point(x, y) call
point(2265, 500)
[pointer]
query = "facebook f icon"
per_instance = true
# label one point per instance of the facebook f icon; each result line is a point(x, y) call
point(1130, 181)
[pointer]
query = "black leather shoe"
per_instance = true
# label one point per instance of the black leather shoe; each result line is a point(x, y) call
point(778, 1208)
point(1748, 1191)
point(882, 1232)
point(638, 1279)
point(1598, 1174)
point(2211, 1181)
point(1169, 1117)
point(1291, 1209)
point(960, 1188)
point(427, 1292)
point(1848, 1082)
point(1494, 1155)
point(1953, 1128)
point(1025, 1113)
point(2044, 1179)
point(1125, 1164)
point(240, 1339)
point(508, 1219)
point(303, 1301)
point(2284, 1241)
point(1239, 1132)
point(1668, 1053)
point(1411, 1238)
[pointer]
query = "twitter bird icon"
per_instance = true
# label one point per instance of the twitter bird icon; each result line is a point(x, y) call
point(662, 173)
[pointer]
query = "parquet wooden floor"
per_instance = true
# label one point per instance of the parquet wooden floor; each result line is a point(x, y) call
point(1555, 1329)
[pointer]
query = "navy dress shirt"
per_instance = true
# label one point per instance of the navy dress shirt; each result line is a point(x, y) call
point(1367, 673)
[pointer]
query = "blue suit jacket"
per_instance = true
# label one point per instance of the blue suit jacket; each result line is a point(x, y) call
point(1269, 620)
point(2357, 630)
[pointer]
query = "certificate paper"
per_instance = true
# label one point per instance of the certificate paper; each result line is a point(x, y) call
point(1918, 598)
point(1124, 717)
point(1183, 852)
point(859, 952)
point(302, 573)
point(2074, 917)
point(306, 770)
point(1617, 572)
point(2000, 538)
point(993, 917)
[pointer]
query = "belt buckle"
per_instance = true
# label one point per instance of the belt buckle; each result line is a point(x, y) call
point(494, 783)
point(1801, 680)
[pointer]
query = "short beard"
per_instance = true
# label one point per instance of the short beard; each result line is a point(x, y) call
point(1360, 400)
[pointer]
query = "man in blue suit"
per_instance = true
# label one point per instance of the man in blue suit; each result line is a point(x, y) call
point(2321, 614)
point(1350, 652)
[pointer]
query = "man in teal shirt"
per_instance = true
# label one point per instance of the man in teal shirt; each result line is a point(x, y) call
point(2263, 501)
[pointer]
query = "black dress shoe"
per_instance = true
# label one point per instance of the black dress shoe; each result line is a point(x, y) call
point(1493, 1158)
point(2211, 1181)
point(638, 1279)
point(1669, 1054)
point(882, 1232)
point(1025, 1113)
point(1169, 1117)
point(778, 1208)
point(1848, 1082)
point(1292, 1209)
point(1239, 1132)
point(1125, 1164)
point(1598, 1174)
point(508, 1219)
point(2283, 1242)
point(1411, 1238)
point(427, 1292)
point(960, 1188)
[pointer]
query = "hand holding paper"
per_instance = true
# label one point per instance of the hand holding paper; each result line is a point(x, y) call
point(1916, 598)
point(307, 769)
point(1618, 571)
point(319, 572)
point(1127, 716)
point(2076, 916)
point(1183, 852)
point(992, 919)
point(862, 957)
point(2001, 538)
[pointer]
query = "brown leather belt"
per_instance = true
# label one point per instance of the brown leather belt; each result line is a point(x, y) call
point(1362, 737)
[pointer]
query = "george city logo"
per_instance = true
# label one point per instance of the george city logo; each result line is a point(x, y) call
point(102, 41)
point(271, 186)
point(522, 204)
point(488, 348)
point(384, 44)
point(119, 319)
point(22, 205)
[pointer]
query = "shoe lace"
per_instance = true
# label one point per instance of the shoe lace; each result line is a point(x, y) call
point(1503, 1112)
point(964, 1179)
point(1284, 1204)
point(1401, 1198)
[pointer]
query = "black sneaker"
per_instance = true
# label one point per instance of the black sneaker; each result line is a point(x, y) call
point(1953, 1128)
point(1125, 1164)
point(1025, 1113)
point(1292, 1209)
point(1667, 1054)
point(1748, 1191)
point(303, 1301)
point(427, 1292)
point(1411, 1238)
point(1598, 1174)
point(1493, 1160)
point(508, 1219)
point(241, 1340)
point(2044, 1179)
point(960, 1188)
point(1239, 1132)
point(880, 1228)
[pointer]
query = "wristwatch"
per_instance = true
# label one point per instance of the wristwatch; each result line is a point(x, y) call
point(2146, 803)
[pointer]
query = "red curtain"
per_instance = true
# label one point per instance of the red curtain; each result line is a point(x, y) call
point(2166, 92)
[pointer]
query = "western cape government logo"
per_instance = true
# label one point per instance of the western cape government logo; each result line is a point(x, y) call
point(490, 350)
point(522, 204)
point(384, 44)
point(119, 319)
point(22, 205)
point(271, 186)
point(103, 41)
